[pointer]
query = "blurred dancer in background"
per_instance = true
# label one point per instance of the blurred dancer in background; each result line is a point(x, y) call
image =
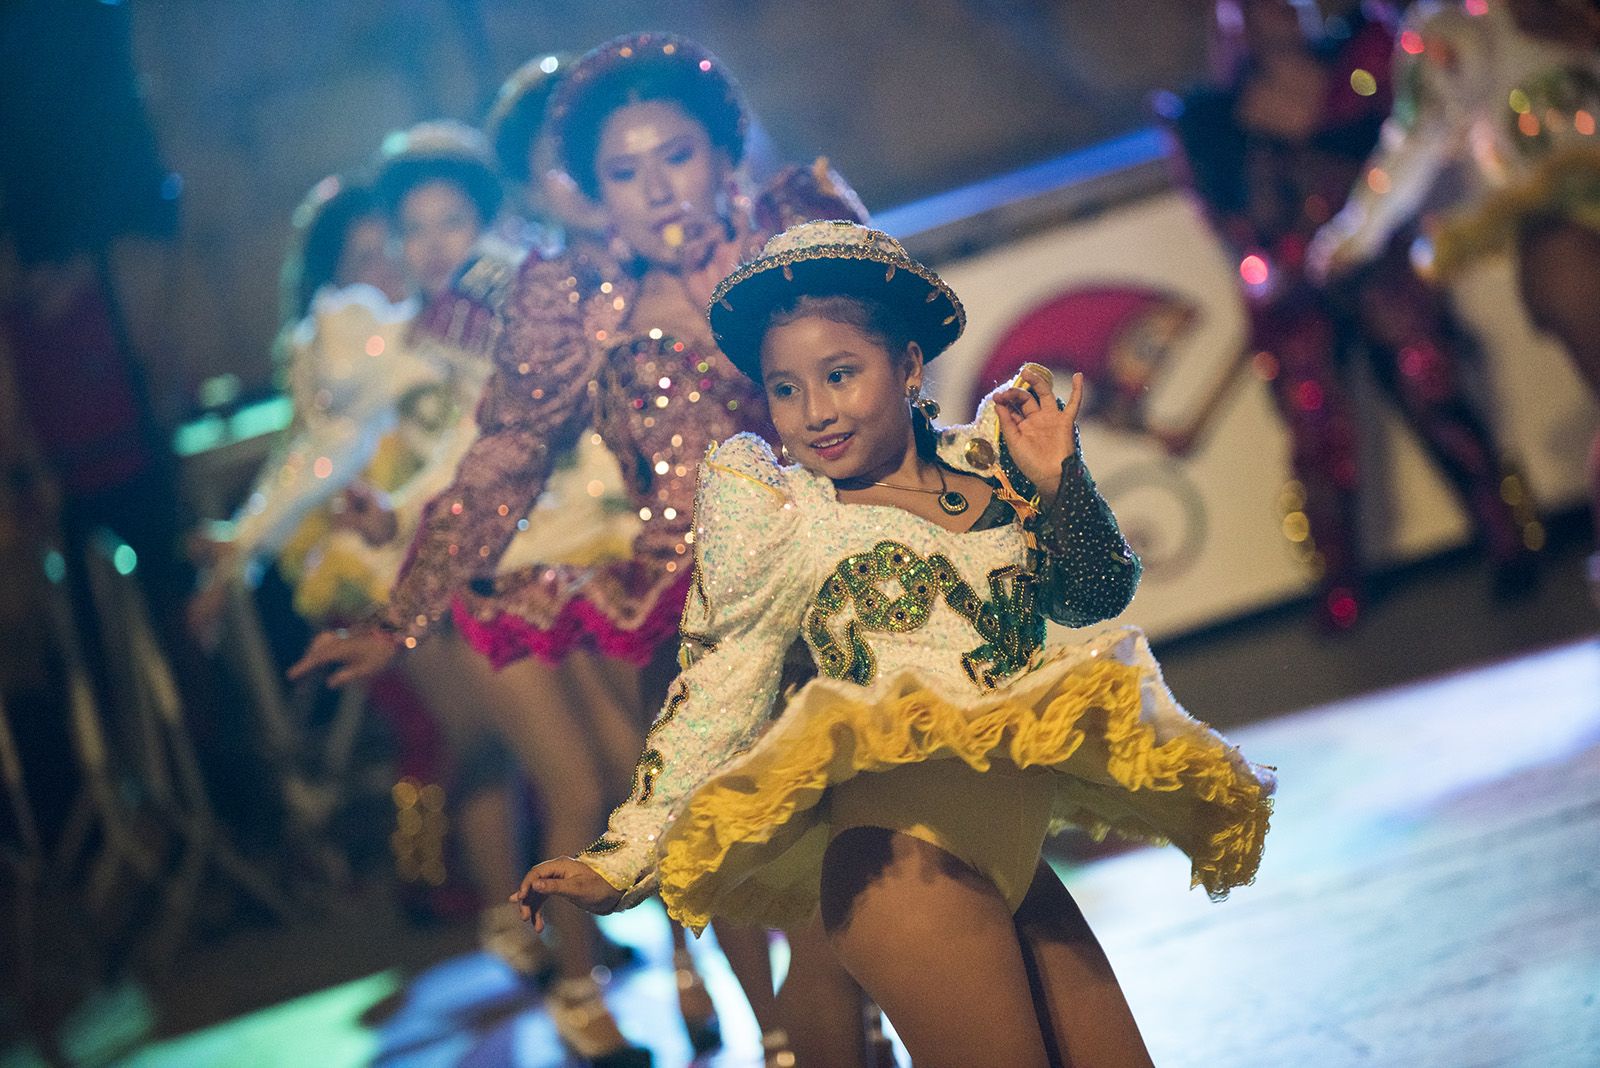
point(342, 289)
point(610, 339)
point(1509, 92)
point(1271, 154)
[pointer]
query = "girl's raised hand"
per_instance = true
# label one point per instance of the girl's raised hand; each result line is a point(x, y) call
point(567, 878)
point(1039, 431)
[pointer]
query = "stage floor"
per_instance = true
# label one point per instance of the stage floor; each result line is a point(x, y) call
point(1430, 897)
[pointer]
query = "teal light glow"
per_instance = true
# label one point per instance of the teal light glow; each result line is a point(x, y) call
point(322, 1029)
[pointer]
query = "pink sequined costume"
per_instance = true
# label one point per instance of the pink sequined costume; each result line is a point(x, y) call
point(1266, 197)
point(570, 365)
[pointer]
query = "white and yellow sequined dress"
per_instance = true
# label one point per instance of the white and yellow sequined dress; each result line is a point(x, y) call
point(937, 709)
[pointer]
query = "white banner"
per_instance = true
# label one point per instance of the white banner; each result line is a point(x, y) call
point(1163, 301)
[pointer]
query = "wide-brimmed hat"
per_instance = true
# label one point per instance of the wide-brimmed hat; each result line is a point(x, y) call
point(827, 259)
point(519, 111)
point(650, 66)
point(438, 150)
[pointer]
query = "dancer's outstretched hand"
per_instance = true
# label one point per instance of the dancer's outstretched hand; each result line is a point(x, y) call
point(358, 655)
point(1038, 431)
point(567, 878)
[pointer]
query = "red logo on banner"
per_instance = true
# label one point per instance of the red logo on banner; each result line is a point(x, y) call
point(1120, 337)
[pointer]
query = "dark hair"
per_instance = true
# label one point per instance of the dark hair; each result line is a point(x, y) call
point(703, 98)
point(323, 233)
point(876, 319)
point(477, 182)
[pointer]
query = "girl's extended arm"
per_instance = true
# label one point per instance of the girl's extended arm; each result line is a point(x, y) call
point(743, 613)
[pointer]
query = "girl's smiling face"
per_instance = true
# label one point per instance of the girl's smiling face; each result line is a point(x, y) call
point(837, 394)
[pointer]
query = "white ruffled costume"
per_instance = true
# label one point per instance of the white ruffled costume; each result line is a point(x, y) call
point(736, 790)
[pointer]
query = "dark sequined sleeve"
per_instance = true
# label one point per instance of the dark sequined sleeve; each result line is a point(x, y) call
point(1087, 571)
point(536, 401)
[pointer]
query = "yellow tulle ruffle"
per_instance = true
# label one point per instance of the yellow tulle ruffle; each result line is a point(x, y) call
point(747, 844)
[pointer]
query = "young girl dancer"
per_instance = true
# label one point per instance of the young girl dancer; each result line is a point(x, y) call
point(341, 288)
point(907, 788)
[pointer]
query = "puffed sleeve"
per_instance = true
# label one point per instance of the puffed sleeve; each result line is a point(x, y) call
point(1435, 90)
point(743, 613)
point(535, 403)
point(334, 436)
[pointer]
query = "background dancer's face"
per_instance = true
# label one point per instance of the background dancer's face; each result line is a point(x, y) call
point(838, 396)
point(660, 182)
point(438, 225)
point(367, 257)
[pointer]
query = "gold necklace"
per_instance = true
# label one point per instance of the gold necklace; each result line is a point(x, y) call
point(953, 502)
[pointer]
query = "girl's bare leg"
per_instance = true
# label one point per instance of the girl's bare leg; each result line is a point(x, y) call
point(820, 1004)
point(933, 942)
point(485, 818)
point(750, 957)
point(532, 713)
point(1083, 1005)
point(608, 693)
point(1559, 275)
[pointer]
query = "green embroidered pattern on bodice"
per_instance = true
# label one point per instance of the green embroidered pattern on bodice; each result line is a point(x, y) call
point(1009, 622)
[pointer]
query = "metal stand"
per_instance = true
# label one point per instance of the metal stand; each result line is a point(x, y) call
point(312, 766)
point(160, 782)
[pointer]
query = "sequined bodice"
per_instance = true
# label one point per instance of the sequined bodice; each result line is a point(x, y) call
point(905, 594)
point(1523, 98)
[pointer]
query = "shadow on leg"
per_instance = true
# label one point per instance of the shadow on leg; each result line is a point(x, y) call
point(1077, 994)
point(932, 941)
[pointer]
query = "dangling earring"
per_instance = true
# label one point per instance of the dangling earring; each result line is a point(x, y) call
point(783, 451)
point(926, 405)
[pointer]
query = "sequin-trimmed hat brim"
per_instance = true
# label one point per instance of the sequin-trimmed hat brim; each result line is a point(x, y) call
point(744, 302)
point(519, 112)
point(439, 150)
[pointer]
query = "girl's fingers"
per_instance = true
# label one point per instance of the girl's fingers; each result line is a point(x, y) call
point(1036, 379)
point(1025, 401)
point(315, 656)
point(1075, 400)
point(344, 676)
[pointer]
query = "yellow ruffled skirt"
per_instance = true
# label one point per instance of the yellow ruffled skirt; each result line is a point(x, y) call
point(1090, 737)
